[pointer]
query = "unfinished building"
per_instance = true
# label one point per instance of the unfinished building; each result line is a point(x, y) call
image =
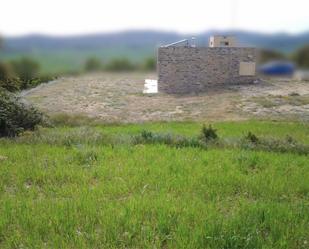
point(185, 68)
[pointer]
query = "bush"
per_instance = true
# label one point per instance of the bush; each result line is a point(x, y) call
point(39, 80)
point(288, 144)
point(148, 137)
point(266, 55)
point(11, 85)
point(23, 78)
point(8, 80)
point(208, 134)
point(252, 138)
point(6, 71)
point(120, 64)
point(93, 64)
point(149, 64)
point(301, 57)
point(283, 146)
point(26, 70)
point(15, 116)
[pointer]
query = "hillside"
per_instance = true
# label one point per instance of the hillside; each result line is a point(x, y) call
point(140, 39)
point(65, 53)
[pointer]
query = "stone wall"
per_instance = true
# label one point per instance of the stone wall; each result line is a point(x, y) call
point(194, 69)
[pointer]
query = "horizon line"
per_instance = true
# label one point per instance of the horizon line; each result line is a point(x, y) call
point(42, 34)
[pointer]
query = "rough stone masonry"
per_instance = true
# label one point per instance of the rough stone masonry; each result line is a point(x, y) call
point(183, 69)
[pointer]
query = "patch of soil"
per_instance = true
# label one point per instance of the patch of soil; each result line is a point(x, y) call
point(117, 97)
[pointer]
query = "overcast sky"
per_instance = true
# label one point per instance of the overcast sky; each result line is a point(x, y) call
point(62, 17)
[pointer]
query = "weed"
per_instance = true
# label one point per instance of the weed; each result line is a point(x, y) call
point(252, 138)
point(76, 136)
point(63, 119)
point(86, 157)
point(208, 134)
point(148, 137)
point(209, 139)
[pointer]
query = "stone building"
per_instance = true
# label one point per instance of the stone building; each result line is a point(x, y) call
point(184, 68)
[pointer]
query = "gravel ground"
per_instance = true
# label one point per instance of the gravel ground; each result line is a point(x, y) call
point(117, 97)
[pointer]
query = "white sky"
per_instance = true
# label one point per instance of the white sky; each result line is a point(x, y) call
point(62, 17)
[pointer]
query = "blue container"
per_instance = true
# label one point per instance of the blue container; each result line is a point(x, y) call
point(279, 68)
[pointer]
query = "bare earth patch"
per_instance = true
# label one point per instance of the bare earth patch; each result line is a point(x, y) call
point(117, 97)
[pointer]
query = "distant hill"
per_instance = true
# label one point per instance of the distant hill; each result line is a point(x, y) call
point(58, 53)
point(135, 39)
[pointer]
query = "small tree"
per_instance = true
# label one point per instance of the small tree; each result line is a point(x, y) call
point(266, 55)
point(301, 57)
point(6, 71)
point(8, 80)
point(93, 64)
point(26, 69)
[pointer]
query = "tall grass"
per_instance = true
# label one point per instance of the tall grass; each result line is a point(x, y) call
point(99, 193)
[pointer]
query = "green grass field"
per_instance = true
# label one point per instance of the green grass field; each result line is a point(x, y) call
point(73, 60)
point(73, 187)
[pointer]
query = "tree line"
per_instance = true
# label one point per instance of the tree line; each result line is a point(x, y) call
point(21, 74)
point(300, 57)
point(119, 64)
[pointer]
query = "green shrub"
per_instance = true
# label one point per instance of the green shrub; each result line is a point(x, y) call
point(93, 64)
point(289, 144)
point(39, 80)
point(251, 137)
point(120, 64)
point(26, 70)
point(290, 140)
point(266, 55)
point(19, 75)
point(16, 116)
point(149, 64)
point(301, 57)
point(11, 85)
point(209, 138)
point(6, 71)
point(8, 80)
point(208, 134)
point(283, 146)
point(148, 137)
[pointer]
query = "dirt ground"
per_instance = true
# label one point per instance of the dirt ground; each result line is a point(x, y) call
point(115, 97)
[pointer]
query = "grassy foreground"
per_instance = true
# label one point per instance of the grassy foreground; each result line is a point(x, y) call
point(90, 188)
